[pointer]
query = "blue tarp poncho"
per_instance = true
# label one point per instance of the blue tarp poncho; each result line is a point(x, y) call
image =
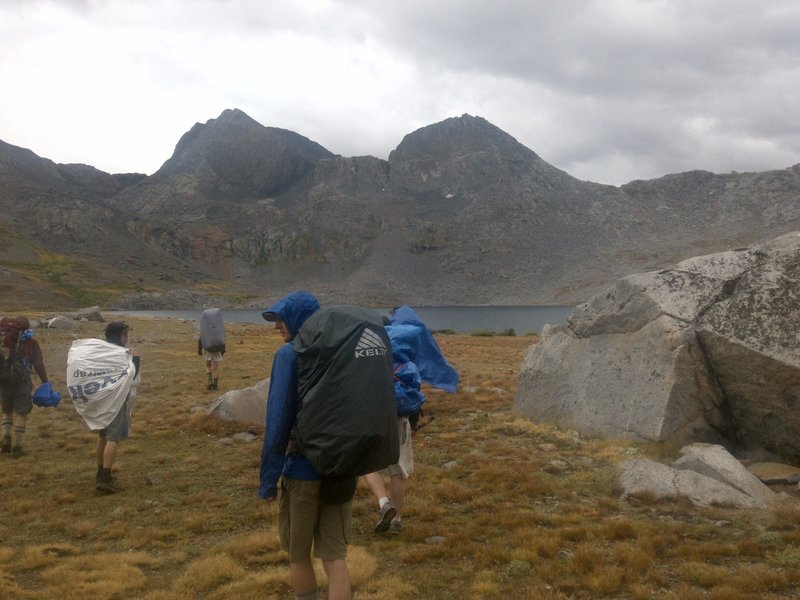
point(433, 366)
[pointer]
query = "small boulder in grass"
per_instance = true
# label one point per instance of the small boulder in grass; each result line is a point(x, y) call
point(246, 405)
point(62, 323)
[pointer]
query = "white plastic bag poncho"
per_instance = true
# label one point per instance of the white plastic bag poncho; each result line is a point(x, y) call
point(100, 376)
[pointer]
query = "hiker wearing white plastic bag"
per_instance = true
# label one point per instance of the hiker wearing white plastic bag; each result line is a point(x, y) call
point(102, 377)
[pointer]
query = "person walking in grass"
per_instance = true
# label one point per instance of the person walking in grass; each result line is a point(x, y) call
point(109, 438)
point(416, 357)
point(21, 353)
point(409, 399)
point(102, 377)
point(304, 522)
point(211, 344)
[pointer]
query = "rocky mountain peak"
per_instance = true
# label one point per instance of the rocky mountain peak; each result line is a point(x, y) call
point(461, 151)
point(235, 156)
point(453, 136)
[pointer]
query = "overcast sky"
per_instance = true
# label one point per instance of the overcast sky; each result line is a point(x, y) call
point(608, 91)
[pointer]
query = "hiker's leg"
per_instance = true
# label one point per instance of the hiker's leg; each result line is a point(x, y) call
point(302, 577)
point(215, 370)
point(109, 454)
point(405, 465)
point(297, 519)
point(330, 545)
point(339, 587)
point(376, 484)
point(20, 422)
point(116, 432)
point(209, 376)
point(101, 448)
point(398, 487)
point(8, 422)
point(106, 453)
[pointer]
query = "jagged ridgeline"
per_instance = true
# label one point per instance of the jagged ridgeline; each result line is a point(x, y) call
point(460, 213)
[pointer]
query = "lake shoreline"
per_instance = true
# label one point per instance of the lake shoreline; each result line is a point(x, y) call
point(506, 320)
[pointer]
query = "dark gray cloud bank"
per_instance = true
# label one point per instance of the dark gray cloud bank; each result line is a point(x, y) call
point(607, 91)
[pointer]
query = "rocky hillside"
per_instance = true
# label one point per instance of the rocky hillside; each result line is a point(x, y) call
point(461, 213)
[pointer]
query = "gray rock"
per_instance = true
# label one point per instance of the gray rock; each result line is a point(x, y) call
point(247, 405)
point(554, 467)
point(61, 322)
point(153, 478)
point(647, 477)
point(89, 314)
point(704, 352)
point(435, 539)
point(714, 461)
point(243, 436)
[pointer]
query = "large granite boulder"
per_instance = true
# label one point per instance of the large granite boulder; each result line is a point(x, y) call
point(706, 351)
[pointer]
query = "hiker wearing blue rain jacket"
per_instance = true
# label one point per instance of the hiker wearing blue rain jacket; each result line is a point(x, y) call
point(291, 311)
point(303, 521)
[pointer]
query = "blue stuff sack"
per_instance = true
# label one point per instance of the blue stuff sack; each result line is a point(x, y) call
point(46, 396)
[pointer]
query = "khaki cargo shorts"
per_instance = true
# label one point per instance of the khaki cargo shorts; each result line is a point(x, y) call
point(303, 521)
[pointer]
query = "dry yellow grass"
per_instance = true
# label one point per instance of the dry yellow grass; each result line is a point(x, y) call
point(488, 513)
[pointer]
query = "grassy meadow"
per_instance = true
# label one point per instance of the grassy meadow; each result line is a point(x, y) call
point(499, 507)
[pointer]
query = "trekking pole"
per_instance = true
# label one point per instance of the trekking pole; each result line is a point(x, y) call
point(419, 426)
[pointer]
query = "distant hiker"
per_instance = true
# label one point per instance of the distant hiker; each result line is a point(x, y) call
point(20, 353)
point(102, 377)
point(412, 345)
point(303, 520)
point(211, 344)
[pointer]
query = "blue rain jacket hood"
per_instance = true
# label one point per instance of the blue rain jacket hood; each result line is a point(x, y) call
point(433, 366)
point(293, 309)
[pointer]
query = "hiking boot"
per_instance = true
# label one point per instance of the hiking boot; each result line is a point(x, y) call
point(385, 516)
point(107, 487)
point(5, 447)
point(107, 483)
point(99, 477)
point(395, 527)
point(18, 451)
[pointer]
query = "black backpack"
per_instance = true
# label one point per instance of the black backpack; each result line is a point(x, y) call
point(347, 420)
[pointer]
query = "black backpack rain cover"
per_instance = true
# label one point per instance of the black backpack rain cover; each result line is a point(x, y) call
point(347, 422)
